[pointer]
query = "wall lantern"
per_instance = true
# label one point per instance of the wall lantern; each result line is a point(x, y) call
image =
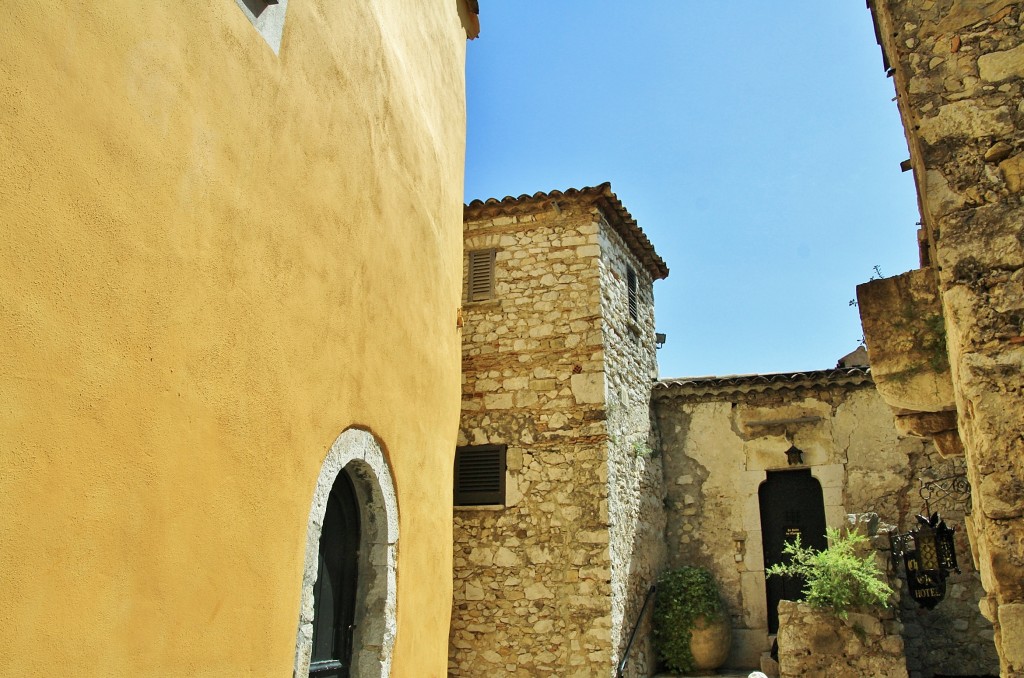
point(794, 456)
point(659, 339)
point(928, 556)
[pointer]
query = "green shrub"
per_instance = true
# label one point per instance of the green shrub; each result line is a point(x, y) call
point(837, 578)
point(684, 594)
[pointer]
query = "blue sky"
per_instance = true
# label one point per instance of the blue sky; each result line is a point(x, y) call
point(757, 145)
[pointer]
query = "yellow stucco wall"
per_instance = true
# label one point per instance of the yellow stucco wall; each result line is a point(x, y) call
point(214, 259)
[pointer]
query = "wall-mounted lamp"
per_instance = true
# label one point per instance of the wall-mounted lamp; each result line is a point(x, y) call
point(928, 556)
point(794, 456)
point(659, 339)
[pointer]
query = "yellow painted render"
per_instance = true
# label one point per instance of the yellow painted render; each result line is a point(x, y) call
point(214, 260)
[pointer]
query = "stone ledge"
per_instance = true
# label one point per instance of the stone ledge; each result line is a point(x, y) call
point(905, 333)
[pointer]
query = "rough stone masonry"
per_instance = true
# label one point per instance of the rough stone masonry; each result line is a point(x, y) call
point(958, 67)
point(558, 364)
point(721, 438)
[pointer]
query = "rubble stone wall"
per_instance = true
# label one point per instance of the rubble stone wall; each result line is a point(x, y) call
point(818, 643)
point(533, 578)
point(958, 68)
point(953, 638)
point(636, 512)
point(719, 441)
point(532, 595)
point(866, 641)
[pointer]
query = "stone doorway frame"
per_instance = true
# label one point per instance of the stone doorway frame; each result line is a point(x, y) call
point(360, 454)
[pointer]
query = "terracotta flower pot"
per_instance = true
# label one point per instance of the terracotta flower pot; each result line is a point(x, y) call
point(710, 642)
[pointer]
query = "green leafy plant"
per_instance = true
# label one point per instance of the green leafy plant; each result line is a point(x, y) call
point(642, 449)
point(685, 594)
point(837, 578)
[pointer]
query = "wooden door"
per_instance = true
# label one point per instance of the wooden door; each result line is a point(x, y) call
point(791, 504)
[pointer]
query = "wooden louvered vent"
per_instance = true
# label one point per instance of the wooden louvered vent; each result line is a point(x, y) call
point(480, 475)
point(481, 275)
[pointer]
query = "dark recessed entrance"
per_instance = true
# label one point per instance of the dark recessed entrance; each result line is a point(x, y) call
point(791, 504)
point(334, 594)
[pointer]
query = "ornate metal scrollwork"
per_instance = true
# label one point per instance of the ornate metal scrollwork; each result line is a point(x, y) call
point(927, 555)
point(951, 492)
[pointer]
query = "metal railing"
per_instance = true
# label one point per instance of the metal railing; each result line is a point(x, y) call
point(632, 636)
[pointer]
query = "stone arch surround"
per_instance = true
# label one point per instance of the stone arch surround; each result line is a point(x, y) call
point(360, 454)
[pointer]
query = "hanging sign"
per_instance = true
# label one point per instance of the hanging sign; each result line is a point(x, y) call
point(928, 556)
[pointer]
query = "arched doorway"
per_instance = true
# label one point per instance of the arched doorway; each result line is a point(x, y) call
point(334, 593)
point(791, 504)
point(349, 579)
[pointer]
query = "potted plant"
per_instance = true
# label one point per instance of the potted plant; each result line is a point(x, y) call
point(691, 629)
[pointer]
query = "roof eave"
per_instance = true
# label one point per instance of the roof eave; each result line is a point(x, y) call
point(601, 196)
point(847, 377)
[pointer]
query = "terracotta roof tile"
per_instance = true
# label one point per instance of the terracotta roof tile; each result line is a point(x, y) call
point(747, 383)
point(602, 196)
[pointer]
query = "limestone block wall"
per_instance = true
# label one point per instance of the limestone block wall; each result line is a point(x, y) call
point(720, 437)
point(532, 578)
point(636, 512)
point(958, 69)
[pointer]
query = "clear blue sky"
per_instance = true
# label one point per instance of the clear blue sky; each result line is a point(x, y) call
point(756, 143)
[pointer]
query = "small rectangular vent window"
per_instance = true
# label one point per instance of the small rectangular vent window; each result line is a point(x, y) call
point(480, 475)
point(633, 294)
point(481, 275)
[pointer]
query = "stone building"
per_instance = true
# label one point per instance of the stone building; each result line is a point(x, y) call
point(558, 535)
point(217, 220)
point(947, 340)
point(752, 461)
point(580, 477)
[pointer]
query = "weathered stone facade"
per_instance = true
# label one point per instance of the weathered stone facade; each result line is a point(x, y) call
point(721, 438)
point(556, 367)
point(958, 69)
point(816, 643)
point(559, 360)
point(636, 511)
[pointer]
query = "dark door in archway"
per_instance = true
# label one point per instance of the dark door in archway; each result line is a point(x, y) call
point(334, 594)
point(791, 504)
